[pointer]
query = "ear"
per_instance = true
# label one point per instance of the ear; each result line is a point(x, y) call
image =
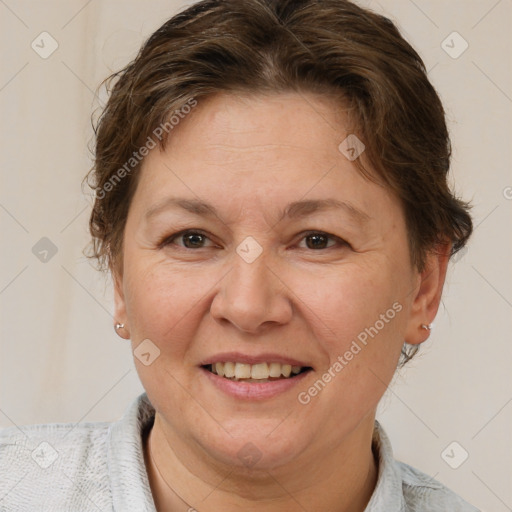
point(120, 306)
point(427, 294)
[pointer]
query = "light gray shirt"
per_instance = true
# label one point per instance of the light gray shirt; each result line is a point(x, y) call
point(100, 467)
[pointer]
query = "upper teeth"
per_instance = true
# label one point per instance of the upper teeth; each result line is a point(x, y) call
point(254, 371)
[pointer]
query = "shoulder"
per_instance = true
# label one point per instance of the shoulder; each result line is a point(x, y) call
point(54, 465)
point(84, 466)
point(423, 493)
point(402, 487)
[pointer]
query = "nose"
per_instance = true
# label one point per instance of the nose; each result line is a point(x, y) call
point(251, 297)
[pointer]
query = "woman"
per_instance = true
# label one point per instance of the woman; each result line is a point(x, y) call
point(272, 203)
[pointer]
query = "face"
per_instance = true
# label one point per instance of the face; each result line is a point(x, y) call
point(252, 238)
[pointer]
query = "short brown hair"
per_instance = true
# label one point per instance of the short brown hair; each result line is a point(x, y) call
point(258, 46)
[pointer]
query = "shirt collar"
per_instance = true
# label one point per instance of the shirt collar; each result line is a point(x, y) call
point(388, 493)
point(129, 479)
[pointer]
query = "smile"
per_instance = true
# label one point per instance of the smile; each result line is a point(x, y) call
point(260, 372)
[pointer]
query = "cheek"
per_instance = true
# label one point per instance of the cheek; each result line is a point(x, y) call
point(350, 299)
point(159, 301)
point(162, 306)
point(359, 320)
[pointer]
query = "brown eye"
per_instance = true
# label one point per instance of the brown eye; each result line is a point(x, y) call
point(317, 240)
point(193, 240)
point(187, 240)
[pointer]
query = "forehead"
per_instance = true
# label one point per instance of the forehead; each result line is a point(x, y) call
point(239, 124)
point(259, 152)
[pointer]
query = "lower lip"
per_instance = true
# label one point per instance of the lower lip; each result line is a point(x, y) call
point(254, 390)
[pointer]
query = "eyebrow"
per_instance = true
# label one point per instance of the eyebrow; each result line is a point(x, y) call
point(294, 210)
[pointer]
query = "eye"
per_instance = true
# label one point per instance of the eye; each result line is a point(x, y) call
point(189, 239)
point(195, 239)
point(318, 240)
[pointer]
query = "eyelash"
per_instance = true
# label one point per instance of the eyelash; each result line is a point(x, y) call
point(170, 239)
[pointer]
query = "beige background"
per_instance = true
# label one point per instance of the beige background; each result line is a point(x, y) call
point(61, 360)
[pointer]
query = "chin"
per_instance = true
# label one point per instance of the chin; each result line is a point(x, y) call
point(256, 448)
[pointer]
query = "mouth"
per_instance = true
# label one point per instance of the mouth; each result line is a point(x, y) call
point(256, 373)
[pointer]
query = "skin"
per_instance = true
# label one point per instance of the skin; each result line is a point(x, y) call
point(249, 157)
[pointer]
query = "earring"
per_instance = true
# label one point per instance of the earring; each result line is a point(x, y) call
point(427, 327)
point(117, 327)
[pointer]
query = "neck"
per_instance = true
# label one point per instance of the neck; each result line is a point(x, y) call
point(340, 480)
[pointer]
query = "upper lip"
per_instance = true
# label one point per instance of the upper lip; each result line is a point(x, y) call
point(238, 357)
